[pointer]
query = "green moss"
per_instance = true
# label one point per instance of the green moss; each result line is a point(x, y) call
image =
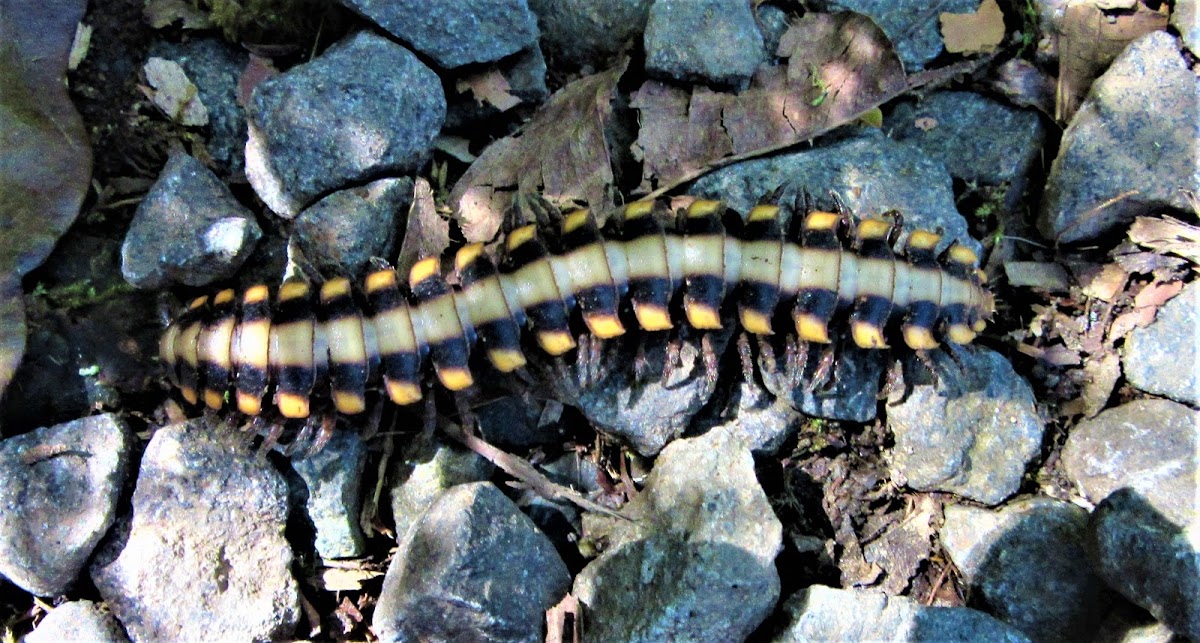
point(266, 21)
point(79, 294)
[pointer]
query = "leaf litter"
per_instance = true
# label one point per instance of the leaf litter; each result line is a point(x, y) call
point(840, 68)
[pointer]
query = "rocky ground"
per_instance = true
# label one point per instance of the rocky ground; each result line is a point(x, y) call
point(1040, 486)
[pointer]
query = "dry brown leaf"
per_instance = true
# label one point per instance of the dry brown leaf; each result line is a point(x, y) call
point(1167, 235)
point(562, 153)
point(1093, 35)
point(1025, 84)
point(173, 93)
point(336, 579)
point(973, 33)
point(425, 234)
point(256, 71)
point(489, 87)
point(556, 621)
point(1156, 294)
point(1105, 282)
point(1126, 322)
point(840, 66)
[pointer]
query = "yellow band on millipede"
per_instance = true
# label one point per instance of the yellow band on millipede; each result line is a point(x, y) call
point(422, 270)
point(380, 280)
point(520, 237)
point(638, 209)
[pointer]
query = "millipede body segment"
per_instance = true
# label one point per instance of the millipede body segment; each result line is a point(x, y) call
point(349, 339)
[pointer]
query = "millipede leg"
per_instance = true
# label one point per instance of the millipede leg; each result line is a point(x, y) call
point(743, 344)
point(429, 417)
point(323, 435)
point(674, 358)
point(824, 373)
point(894, 384)
point(641, 364)
point(709, 355)
point(304, 438)
point(271, 438)
point(797, 359)
point(926, 359)
point(766, 357)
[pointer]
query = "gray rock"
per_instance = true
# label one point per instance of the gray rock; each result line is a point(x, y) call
point(1127, 623)
point(188, 230)
point(911, 25)
point(588, 35)
point(707, 41)
point(971, 434)
point(1186, 19)
point(365, 108)
point(1163, 357)
point(515, 421)
point(648, 412)
point(428, 467)
point(59, 488)
point(758, 418)
point(870, 172)
point(1126, 136)
point(1148, 558)
point(215, 67)
point(1146, 445)
point(203, 556)
point(455, 33)
point(349, 227)
point(978, 138)
point(1026, 562)
point(77, 621)
point(333, 501)
point(702, 535)
point(820, 613)
point(773, 22)
point(472, 568)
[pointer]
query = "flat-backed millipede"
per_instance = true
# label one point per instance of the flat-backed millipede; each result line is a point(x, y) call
point(352, 339)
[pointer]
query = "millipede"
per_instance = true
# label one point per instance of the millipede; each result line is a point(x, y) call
point(832, 277)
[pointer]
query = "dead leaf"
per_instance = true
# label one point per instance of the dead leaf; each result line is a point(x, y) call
point(457, 147)
point(1026, 85)
point(425, 234)
point(566, 611)
point(163, 13)
point(174, 93)
point(1092, 36)
point(1105, 283)
point(1126, 322)
point(973, 33)
point(840, 66)
point(1167, 235)
point(337, 579)
point(45, 160)
point(256, 71)
point(562, 154)
point(1156, 294)
point(489, 87)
